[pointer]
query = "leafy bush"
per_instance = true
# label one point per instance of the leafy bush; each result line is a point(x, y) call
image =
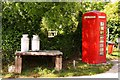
point(112, 11)
point(37, 18)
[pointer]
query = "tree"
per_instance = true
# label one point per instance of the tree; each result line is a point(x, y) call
point(37, 18)
point(112, 11)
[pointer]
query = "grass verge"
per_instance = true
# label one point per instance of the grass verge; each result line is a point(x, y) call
point(80, 70)
point(114, 55)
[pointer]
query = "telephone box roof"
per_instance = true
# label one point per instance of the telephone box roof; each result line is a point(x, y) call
point(95, 12)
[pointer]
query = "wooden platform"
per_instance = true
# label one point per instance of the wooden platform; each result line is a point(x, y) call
point(57, 54)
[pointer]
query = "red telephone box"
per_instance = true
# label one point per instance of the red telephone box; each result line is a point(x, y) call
point(94, 37)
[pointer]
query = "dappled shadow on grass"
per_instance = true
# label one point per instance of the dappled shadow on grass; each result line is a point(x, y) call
point(84, 69)
point(47, 70)
point(113, 56)
point(116, 53)
point(80, 70)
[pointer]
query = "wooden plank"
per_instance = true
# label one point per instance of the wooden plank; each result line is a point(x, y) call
point(55, 53)
point(58, 63)
point(18, 64)
point(44, 53)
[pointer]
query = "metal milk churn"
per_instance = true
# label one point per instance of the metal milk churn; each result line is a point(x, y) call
point(35, 43)
point(24, 43)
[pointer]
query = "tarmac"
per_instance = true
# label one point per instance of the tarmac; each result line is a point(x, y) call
point(112, 73)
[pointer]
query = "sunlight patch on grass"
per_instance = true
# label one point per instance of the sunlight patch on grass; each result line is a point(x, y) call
point(80, 70)
point(111, 57)
point(116, 53)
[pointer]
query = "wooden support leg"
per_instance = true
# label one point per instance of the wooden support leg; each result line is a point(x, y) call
point(58, 63)
point(18, 64)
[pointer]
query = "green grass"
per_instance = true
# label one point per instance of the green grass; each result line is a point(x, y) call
point(116, 53)
point(80, 70)
point(39, 69)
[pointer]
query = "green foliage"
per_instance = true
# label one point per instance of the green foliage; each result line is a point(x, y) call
point(82, 69)
point(113, 56)
point(117, 54)
point(37, 18)
point(45, 71)
point(112, 11)
point(18, 19)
